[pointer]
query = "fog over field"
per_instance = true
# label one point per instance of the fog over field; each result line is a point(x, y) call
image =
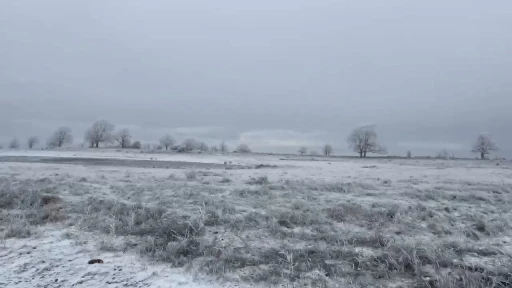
point(228, 143)
point(274, 74)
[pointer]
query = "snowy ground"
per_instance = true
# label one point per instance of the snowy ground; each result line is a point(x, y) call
point(180, 220)
point(51, 259)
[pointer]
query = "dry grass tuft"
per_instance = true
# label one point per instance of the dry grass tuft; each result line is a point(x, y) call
point(191, 175)
point(261, 180)
point(163, 233)
point(24, 208)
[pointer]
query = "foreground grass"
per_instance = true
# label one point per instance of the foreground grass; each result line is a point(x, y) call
point(299, 233)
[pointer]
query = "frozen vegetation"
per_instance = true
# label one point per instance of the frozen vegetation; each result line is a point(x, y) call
point(252, 220)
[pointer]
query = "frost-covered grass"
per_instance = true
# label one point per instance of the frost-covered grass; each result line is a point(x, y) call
point(24, 205)
point(329, 223)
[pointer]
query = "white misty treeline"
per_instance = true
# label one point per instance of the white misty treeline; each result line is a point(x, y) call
point(362, 140)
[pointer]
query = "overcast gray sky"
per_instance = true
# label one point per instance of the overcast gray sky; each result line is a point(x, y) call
point(274, 74)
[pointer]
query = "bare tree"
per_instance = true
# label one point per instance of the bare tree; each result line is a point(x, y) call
point(124, 137)
point(409, 154)
point(484, 145)
point(303, 150)
point(14, 144)
point(203, 147)
point(243, 148)
point(100, 132)
point(443, 154)
point(363, 140)
point(167, 141)
point(223, 147)
point(136, 145)
point(33, 140)
point(190, 145)
point(327, 150)
point(89, 138)
point(61, 137)
point(214, 149)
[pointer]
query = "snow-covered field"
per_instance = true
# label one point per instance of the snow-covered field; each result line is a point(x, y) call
point(198, 220)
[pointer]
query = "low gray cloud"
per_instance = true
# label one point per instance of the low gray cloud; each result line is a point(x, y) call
point(284, 140)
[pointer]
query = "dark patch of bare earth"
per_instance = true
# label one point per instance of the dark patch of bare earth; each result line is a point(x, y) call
point(116, 162)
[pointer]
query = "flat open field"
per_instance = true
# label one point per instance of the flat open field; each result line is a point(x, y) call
point(202, 220)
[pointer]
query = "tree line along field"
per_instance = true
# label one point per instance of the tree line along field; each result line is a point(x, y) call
point(362, 140)
point(253, 221)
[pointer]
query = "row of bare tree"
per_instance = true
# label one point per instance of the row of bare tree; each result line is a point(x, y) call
point(483, 146)
point(362, 140)
point(326, 150)
point(59, 138)
point(103, 132)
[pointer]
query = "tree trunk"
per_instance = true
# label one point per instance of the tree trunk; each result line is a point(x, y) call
point(360, 154)
point(97, 144)
point(482, 155)
point(364, 154)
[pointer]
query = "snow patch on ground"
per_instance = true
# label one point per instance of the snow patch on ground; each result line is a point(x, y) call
point(52, 260)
